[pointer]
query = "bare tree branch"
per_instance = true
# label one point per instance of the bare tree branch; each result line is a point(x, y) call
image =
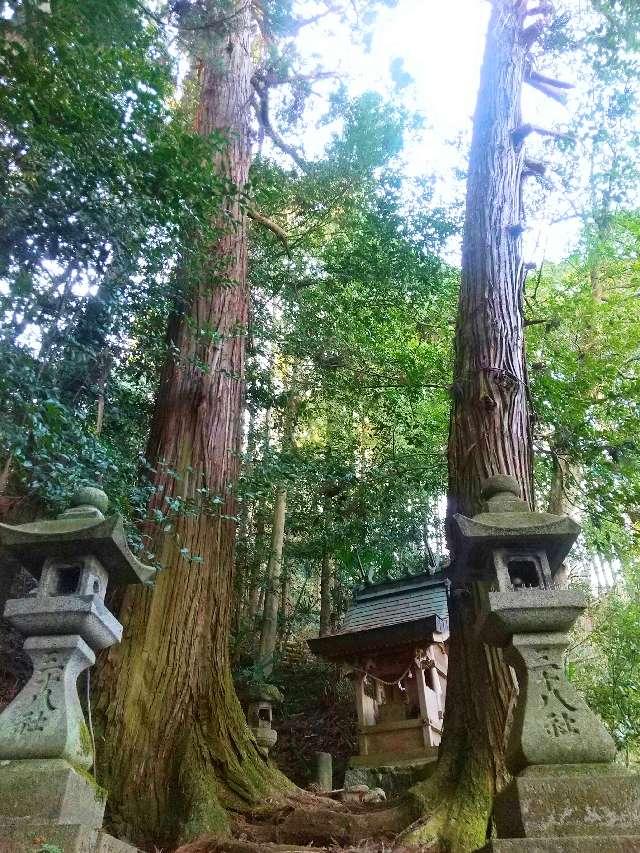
point(261, 106)
point(542, 9)
point(520, 133)
point(280, 233)
point(549, 91)
point(548, 81)
point(269, 77)
point(298, 25)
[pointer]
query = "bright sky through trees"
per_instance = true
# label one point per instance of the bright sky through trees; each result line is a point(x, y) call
point(427, 54)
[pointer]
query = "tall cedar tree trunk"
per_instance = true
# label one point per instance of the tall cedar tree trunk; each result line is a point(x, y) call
point(174, 749)
point(490, 433)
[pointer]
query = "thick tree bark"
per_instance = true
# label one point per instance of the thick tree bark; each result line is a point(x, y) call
point(174, 749)
point(490, 433)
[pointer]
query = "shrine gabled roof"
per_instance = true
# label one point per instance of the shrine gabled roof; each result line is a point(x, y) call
point(389, 614)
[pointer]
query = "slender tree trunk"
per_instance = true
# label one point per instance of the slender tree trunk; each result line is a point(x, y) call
point(242, 568)
point(260, 609)
point(284, 603)
point(253, 597)
point(557, 501)
point(272, 590)
point(269, 632)
point(326, 593)
point(174, 748)
point(326, 568)
point(255, 600)
point(326, 573)
point(490, 433)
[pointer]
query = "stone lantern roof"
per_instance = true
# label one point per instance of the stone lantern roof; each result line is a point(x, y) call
point(389, 615)
point(508, 522)
point(81, 529)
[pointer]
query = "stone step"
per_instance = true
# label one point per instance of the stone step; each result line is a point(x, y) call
point(571, 844)
point(71, 838)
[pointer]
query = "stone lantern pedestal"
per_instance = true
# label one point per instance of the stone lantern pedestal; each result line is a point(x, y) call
point(47, 794)
point(566, 794)
point(566, 784)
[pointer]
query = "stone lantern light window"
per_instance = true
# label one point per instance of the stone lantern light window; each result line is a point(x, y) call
point(80, 577)
point(509, 546)
point(521, 569)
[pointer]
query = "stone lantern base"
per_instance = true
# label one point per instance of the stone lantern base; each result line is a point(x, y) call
point(73, 838)
point(47, 801)
point(583, 808)
point(577, 799)
point(587, 844)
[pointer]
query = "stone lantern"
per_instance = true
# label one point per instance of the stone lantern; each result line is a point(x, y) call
point(509, 546)
point(260, 699)
point(567, 794)
point(46, 747)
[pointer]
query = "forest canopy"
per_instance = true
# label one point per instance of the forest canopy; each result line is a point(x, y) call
point(228, 297)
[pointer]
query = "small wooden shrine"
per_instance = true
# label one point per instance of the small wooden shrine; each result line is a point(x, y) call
point(393, 644)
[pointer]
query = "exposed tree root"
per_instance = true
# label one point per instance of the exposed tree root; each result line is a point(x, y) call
point(302, 820)
point(451, 808)
point(213, 844)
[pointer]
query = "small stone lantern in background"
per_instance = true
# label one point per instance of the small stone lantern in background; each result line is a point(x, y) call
point(567, 794)
point(46, 747)
point(260, 699)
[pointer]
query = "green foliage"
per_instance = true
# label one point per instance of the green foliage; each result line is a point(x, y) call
point(103, 187)
point(607, 664)
point(106, 194)
point(356, 321)
point(584, 375)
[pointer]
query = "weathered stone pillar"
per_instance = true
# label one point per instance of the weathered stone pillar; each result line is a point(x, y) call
point(45, 720)
point(324, 771)
point(46, 747)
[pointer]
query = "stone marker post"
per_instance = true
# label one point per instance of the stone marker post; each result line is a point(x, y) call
point(47, 794)
point(567, 794)
point(324, 771)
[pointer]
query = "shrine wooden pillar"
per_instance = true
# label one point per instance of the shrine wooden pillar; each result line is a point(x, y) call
point(421, 689)
point(434, 677)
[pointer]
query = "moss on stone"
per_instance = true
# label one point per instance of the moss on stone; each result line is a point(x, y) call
point(86, 741)
point(262, 691)
point(99, 791)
